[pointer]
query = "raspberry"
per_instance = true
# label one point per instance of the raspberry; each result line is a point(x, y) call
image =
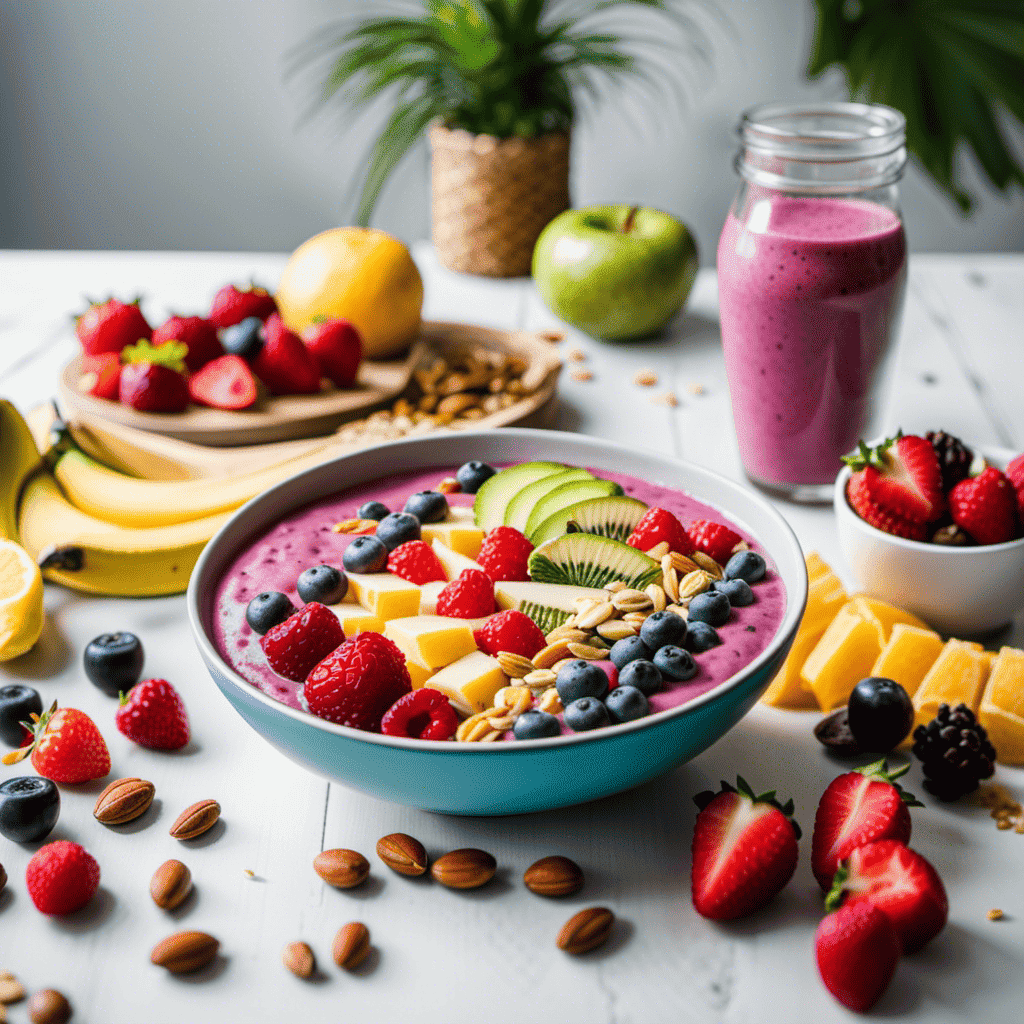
point(298, 643)
point(714, 539)
point(510, 631)
point(355, 684)
point(659, 525)
point(424, 714)
point(471, 596)
point(416, 562)
point(505, 554)
point(874, 515)
point(61, 877)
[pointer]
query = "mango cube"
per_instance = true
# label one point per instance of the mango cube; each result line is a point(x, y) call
point(355, 619)
point(432, 640)
point(451, 561)
point(471, 682)
point(908, 656)
point(418, 672)
point(841, 658)
point(428, 596)
point(462, 538)
point(387, 596)
point(1002, 706)
point(957, 677)
point(885, 615)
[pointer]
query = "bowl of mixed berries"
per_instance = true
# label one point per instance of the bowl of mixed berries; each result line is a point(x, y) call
point(936, 527)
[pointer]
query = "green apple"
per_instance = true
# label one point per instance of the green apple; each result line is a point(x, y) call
point(615, 272)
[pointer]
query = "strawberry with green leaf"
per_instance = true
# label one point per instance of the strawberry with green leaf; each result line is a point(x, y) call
point(153, 377)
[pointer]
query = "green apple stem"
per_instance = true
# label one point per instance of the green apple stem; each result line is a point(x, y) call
point(627, 224)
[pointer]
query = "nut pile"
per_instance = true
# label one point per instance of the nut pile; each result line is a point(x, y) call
point(1003, 808)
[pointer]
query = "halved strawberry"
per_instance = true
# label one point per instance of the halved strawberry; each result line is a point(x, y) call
point(223, 383)
point(284, 364)
point(857, 950)
point(874, 515)
point(101, 375)
point(744, 850)
point(902, 476)
point(1015, 474)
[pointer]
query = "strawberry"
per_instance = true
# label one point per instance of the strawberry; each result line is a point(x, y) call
point(357, 683)
point(61, 877)
point(857, 950)
point(901, 883)
point(471, 596)
point(1015, 474)
point(231, 305)
point(198, 333)
point(714, 539)
point(874, 515)
point(153, 715)
point(152, 379)
point(284, 364)
point(302, 640)
point(857, 808)
point(985, 506)
point(510, 631)
point(66, 746)
point(424, 714)
point(505, 554)
point(659, 525)
point(902, 476)
point(101, 375)
point(337, 348)
point(416, 562)
point(744, 850)
point(223, 383)
point(109, 326)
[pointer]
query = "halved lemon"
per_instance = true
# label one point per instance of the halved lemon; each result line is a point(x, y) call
point(21, 601)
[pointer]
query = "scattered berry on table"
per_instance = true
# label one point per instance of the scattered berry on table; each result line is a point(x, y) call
point(874, 515)
point(985, 506)
point(536, 725)
point(61, 877)
point(373, 510)
point(295, 646)
point(472, 475)
point(17, 703)
point(337, 348)
point(152, 379)
point(198, 333)
point(397, 528)
point(628, 649)
point(244, 339)
point(711, 607)
point(427, 506)
point(880, 714)
point(424, 714)
point(323, 583)
point(505, 554)
point(701, 637)
point(267, 610)
point(113, 662)
point(510, 631)
point(657, 525)
point(745, 565)
point(153, 715)
point(224, 383)
point(642, 675)
point(29, 808)
point(663, 628)
point(233, 304)
point(954, 751)
point(626, 704)
point(738, 592)
point(578, 679)
point(902, 476)
point(416, 562)
point(470, 596)
point(954, 457)
point(365, 555)
point(714, 539)
point(283, 363)
point(66, 747)
point(675, 663)
point(110, 326)
point(101, 375)
point(358, 682)
point(585, 714)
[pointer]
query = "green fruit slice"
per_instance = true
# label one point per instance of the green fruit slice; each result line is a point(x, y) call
point(566, 495)
point(614, 517)
point(522, 504)
point(494, 495)
point(548, 604)
point(587, 560)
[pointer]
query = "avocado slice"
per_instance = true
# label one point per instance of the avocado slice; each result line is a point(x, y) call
point(614, 517)
point(587, 560)
point(520, 507)
point(494, 495)
point(565, 495)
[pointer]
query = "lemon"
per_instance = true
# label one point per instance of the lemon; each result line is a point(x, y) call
point(21, 601)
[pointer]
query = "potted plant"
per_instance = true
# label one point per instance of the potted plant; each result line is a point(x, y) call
point(497, 86)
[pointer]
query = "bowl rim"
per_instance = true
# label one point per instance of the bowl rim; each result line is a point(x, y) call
point(796, 600)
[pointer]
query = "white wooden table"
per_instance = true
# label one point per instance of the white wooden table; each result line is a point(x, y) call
point(490, 955)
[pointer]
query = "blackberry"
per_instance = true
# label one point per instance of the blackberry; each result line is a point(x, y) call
point(954, 751)
point(955, 457)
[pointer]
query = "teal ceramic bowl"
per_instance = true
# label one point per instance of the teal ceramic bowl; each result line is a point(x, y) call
point(514, 777)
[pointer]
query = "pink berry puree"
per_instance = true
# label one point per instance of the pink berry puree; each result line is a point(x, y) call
point(809, 292)
point(304, 538)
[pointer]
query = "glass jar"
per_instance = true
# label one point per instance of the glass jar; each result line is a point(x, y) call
point(812, 268)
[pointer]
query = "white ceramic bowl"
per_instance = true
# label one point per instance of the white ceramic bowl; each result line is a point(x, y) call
point(960, 591)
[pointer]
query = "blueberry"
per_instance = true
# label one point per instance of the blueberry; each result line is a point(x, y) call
point(113, 662)
point(396, 528)
point(626, 704)
point(267, 610)
point(663, 628)
point(738, 591)
point(365, 554)
point(29, 808)
point(322, 583)
point(427, 506)
point(710, 607)
point(880, 714)
point(472, 475)
point(373, 510)
point(243, 339)
point(628, 649)
point(701, 637)
point(586, 713)
point(17, 702)
point(642, 675)
point(748, 566)
point(580, 678)
point(676, 664)
point(536, 725)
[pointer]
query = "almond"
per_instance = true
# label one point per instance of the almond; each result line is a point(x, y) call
point(184, 951)
point(11, 990)
point(403, 854)
point(299, 959)
point(195, 820)
point(123, 800)
point(586, 930)
point(464, 869)
point(48, 1006)
point(170, 884)
point(344, 869)
point(351, 945)
point(554, 876)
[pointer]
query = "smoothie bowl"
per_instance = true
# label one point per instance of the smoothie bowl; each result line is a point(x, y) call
point(456, 648)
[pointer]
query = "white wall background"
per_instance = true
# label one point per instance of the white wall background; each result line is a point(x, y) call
point(145, 124)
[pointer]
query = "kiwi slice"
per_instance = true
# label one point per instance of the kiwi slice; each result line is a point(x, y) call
point(565, 495)
point(521, 505)
point(614, 517)
point(548, 604)
point(588, 560)
point(494, 495)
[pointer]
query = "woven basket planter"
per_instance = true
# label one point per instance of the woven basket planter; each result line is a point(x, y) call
point(491, 198)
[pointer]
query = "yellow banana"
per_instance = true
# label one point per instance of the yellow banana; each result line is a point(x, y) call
point(18, 458)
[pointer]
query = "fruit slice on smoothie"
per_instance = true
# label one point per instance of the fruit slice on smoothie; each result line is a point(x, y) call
point(494, 495)
point(387, 596)
point(452, 562)
point(565, 495)
point(471, 682)
point(548, 604)
point(464, 538)
point(1002, 706)
point(432, 640)
point(520, 507)
point(614, 517)
point(587, 560)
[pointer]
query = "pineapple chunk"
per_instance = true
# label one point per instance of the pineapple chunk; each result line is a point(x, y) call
point(432, 640)
point(418, 672)
point(470, 683)
point(462, 514)
point(387, 596)
point(1002, 706)
point(355, 619)
point(957, 677)
point(842, 658)
point(451, 561)
point(908, 656)
point(885, 615)
point(462, 538)
point(428, 596)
